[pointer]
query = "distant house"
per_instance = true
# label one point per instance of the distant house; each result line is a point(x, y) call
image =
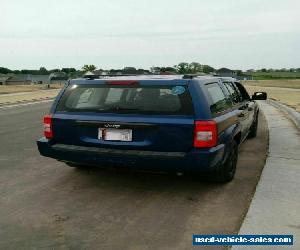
point(40, 79)
point(58, 77)
point(3, 80)
point(244, 77)
point(98, 72)
point(237, 74)
point(24, 79)
point(224, 72)
point(18, 80)
point(116, 72)
point(27, 79)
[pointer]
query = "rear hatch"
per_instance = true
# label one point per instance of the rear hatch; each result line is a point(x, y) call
point(144, 115)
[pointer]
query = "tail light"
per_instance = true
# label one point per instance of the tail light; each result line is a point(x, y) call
point(48, 132)
point(206, 134)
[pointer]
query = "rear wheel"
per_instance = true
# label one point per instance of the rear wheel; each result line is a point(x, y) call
point(78, 166)
point(253, 128)
point(226, 171)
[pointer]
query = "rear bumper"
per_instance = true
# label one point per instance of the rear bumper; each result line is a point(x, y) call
point(196, 160)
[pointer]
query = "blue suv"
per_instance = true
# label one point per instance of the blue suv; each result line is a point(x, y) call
point(176, 123)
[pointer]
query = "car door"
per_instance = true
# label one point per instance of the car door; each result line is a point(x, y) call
point(239, 107)
point(250, 105)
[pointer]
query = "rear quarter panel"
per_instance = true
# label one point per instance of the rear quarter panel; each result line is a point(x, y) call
point(227, 122)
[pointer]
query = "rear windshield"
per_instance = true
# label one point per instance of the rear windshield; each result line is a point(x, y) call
point(170, 100)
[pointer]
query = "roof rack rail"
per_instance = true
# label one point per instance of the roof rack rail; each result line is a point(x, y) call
point(191, 76)
point(92, 77)
point(154, 76)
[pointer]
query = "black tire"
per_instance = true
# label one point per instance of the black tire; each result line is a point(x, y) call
point(72, 165)
point(253, 128)
point(226, 172)
point(75, 165)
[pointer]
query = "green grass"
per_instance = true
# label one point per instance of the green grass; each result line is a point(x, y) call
point(275, 75)
point(9, 89)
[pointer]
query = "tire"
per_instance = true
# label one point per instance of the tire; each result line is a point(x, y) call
point(226, 171)
point(253, 128)
point(75, 165)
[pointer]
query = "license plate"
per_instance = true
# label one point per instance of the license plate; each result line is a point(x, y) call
point(113, 134)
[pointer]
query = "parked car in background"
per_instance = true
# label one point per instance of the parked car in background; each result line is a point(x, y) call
point(173, 123)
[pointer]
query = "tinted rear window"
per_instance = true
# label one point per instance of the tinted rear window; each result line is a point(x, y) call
point(170, 100)
point(235, 95)
point(219, 101)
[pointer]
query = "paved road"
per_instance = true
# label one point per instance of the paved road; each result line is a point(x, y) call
point(46, 205)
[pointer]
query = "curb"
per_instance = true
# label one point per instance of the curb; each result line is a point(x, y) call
point(274, 207)
point(292, 114)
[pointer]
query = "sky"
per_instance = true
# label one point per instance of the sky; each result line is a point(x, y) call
point(244, 34)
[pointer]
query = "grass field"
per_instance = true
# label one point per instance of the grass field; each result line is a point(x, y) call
point(294, 84)
point(285, 91)
point(275, 75)
point(288, 97)
point(9, 89)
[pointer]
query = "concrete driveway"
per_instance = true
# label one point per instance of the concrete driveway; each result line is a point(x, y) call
point(47, 205)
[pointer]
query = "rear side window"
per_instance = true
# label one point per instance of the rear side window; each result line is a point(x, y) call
point(219, 101)
point(235, 95)
point(169, 100)
point(243, 91)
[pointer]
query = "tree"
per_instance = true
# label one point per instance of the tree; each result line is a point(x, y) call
point(68, 70)
point(239, 72)
point(194, 68)
point(87, 68)
point(140, 71)
point(5, 70)
point(17, 72)
point(43, 71)
point(129, 70)
point(207, 69)
point(167, 69)
point(54, 70)
point(182, 68)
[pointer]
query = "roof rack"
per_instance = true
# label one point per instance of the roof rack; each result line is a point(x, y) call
point(192, 76)
point(154, 76)
point(151, 76)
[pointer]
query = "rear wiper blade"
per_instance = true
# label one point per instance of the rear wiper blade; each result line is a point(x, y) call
point(122, 108)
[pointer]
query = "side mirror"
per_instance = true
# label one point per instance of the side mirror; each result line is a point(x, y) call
point(259, 96)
